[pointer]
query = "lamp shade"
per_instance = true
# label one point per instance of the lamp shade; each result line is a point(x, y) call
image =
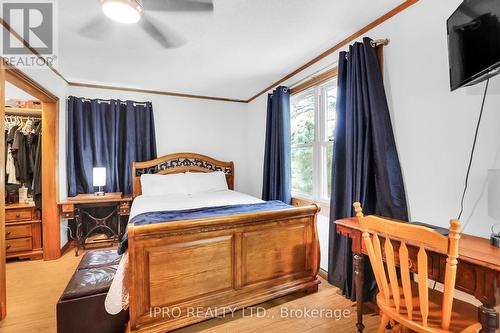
point(494, 193)
point(99, 176)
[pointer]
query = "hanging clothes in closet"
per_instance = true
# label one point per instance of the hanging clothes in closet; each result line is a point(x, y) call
point(11, 126)
point(37, 172)
point(23, 154)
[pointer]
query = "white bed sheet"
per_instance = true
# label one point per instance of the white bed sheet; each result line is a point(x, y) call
point(117, 297)
point(144, 204)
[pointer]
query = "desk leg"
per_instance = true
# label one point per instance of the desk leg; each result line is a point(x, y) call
point(358, 280)
point(119, 215)
point(79, 230)
point(489, 319)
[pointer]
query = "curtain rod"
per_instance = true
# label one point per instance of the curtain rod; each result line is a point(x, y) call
point(11, 113)
point(108, 100)
point(380, 42)
point(27, 116)
point(374, 43)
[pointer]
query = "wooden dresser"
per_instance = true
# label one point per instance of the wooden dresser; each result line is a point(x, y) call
point(23, 232)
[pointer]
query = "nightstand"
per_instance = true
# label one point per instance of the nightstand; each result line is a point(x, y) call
point(75, 208)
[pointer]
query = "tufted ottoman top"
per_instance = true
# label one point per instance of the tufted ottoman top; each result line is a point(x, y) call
point(90, 281)
point(99, 258)
point(93, 275)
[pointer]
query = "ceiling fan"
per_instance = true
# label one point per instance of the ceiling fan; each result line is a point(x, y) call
point(136, 11)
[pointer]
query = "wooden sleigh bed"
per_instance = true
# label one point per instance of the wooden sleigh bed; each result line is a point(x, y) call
point(215, 265)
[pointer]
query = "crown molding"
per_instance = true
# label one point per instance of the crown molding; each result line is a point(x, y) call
point(35, 52)
point(156, 92)
point(328, 52)
point(337, 46)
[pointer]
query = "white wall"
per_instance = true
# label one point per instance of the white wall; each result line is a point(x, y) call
point(214, 128)
point(13, 92)
point(217, 129)
point(433, 127)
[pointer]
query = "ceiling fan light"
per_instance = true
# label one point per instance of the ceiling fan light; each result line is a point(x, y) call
point(123, 11)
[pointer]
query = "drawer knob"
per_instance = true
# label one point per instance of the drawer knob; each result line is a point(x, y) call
point(18, 215)
point(8, 247)
point(8, 233)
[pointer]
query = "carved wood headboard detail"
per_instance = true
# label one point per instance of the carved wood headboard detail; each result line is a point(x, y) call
point(177, 163)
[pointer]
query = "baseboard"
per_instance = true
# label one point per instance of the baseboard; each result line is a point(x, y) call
point(69, 244)
point(323, 274)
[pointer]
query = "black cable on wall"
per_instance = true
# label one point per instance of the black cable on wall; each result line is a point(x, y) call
point(472, 152)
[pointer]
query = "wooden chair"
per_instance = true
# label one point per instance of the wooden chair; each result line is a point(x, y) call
point(413, 305)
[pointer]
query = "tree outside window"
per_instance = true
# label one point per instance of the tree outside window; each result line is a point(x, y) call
point(312, 127)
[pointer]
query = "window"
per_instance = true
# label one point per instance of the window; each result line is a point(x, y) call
point(312, 125)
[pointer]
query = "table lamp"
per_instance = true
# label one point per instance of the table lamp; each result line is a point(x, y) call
point(494, 203)
point(99, 180)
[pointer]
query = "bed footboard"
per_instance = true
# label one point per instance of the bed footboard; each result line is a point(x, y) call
point(188, 271)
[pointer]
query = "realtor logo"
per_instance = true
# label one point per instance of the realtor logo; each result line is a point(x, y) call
point(33, 22)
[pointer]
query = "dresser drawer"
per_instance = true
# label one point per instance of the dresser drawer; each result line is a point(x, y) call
point(18, 231)
point(21, 214)
point(18, 244)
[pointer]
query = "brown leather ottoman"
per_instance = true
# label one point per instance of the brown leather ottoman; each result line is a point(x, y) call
point(80, 308)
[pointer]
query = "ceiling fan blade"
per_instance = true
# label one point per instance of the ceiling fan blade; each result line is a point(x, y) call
point(179, 5)
point(168, 39)
point(97, 28)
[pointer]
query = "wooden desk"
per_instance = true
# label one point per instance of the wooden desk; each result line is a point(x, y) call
point(478, 271)
point(73, 208)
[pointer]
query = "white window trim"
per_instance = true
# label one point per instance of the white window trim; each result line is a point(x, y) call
point(320, 177)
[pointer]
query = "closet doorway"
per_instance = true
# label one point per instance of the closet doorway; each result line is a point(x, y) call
point(50, 222)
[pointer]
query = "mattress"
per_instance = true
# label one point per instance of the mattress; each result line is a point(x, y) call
point(145, 204)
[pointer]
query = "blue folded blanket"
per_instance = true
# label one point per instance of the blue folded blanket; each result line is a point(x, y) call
point(198, 213)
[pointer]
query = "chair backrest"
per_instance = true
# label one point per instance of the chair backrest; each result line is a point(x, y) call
point(419, 236)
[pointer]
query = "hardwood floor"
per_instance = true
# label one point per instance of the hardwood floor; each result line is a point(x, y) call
point(284, 315)
point(33, 288)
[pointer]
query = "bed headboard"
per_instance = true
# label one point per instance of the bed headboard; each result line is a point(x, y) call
point(177, 163)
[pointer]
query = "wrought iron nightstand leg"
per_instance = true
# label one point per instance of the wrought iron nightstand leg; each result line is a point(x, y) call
point(79, 231)
point(99, 223)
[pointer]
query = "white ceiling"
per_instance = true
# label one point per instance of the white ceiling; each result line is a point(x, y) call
point(234, 52)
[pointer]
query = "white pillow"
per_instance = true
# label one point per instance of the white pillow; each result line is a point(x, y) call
point(175, 183)
point(199, 182)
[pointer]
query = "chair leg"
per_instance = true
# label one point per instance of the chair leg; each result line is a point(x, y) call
point(396, 328)
point(383, 323)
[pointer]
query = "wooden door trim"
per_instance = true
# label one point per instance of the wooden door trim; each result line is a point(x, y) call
point(3, 283)
point(51, 224)
point(26, 83)
point(50, 121)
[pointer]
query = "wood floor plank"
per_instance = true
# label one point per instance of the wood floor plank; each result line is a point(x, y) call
point(327, 298)
point(33, 288)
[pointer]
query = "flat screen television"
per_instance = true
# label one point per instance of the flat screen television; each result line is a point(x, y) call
point(474, 42)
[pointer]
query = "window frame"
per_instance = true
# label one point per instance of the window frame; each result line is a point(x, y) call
point(320, 143)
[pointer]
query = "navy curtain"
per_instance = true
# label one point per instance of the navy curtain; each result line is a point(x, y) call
point(110, 134)
point(366, 166)
point(277, 158)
